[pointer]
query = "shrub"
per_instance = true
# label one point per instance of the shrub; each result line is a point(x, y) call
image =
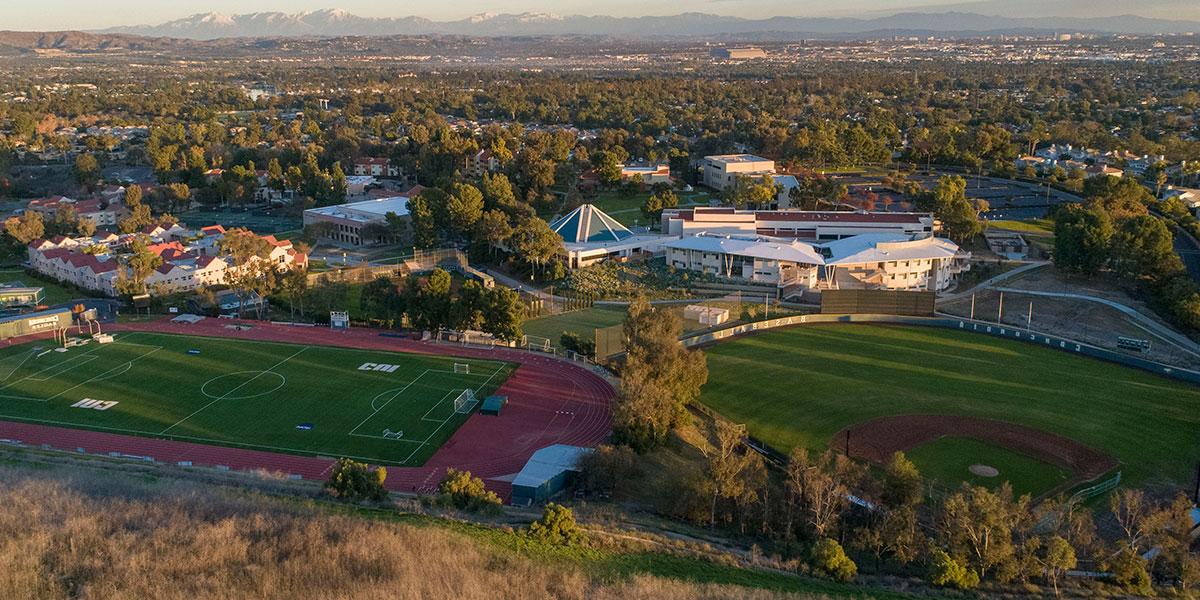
point(608, 469)
point(830, 560)
point(944, 571)
point(354, 481)
point(465, 492)
point(557, 526)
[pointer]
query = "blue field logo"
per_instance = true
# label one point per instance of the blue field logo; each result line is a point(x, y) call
point(305, 427)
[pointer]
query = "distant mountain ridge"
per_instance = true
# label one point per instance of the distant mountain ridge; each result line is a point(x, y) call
point(334, 23)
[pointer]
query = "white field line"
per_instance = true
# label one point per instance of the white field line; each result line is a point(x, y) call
point(425, 417)
point(239, 386)
point(109, 373)
point(389, 401)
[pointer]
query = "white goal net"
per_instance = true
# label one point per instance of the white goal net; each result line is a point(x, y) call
point(462, 368)
point(465, 402)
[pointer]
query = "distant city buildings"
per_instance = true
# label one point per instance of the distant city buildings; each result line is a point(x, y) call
point(744, 53)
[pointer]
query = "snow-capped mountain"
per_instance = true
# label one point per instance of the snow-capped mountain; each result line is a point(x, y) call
point(335, 22)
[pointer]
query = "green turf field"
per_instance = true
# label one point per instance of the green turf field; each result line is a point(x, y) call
point(279, 397)
point(799, 386)
point(949, 459)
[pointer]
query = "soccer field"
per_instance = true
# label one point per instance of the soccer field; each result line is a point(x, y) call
point(385, 407)
point(800, 386)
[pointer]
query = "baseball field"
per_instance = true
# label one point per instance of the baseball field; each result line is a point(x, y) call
point(879, 388)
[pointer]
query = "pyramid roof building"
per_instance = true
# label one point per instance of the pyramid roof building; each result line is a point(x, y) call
point(588, 224)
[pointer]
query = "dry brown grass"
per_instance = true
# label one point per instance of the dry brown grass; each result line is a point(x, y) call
point(87, 535)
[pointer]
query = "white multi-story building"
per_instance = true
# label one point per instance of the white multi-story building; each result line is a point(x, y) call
point(95, 264)
point(353, 224)
point(722, 170)
point(803, 225)
point(870, 261)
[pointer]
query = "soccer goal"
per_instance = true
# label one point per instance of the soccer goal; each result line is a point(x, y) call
point(465, 402)
point(462, 368)
point(540, 344)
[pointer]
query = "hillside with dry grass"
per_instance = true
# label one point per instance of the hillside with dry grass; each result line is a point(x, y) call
point(81, 533)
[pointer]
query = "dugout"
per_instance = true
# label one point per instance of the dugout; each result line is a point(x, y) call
point(877, 302)
point(492, 405)
point(546, 473)
point(38, 322)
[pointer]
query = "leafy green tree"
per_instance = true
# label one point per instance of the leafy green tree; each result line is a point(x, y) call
point(25, 228)
point(901, 482)
point(1082, 238)
point(464, 208)
point(1058, 557)
point(830, 560)
point(949, 203)
point(660, 377)
point(503, 313)
point(353, 481)
point(657, 202)
point(608, 167)
point(557, 526)
point(424, 229)
point(1120, 197)
point(87, 171)
point(1143, 246)
point(139, 264)
point(535, 243)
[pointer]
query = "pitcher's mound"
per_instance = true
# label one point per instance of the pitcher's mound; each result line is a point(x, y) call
point(983, 470)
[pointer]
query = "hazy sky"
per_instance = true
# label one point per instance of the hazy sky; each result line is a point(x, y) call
point(98, 14)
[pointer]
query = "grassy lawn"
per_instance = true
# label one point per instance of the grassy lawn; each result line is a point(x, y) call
point(948, 461)
point(582, 322)
point(1034, 226)
point(247, 394)
point(55, 293)
point(799, 386)
point(628, 210)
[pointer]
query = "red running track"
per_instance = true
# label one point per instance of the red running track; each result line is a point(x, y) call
point(550, 401)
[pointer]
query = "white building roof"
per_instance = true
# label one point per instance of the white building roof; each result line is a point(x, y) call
point(546, 463)
point(765, 248)
point(884, 247)
point(859, 249)
point(737, 158)
point(365, 211)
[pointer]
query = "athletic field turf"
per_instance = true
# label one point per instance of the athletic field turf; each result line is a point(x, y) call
point(948, 461)
point(385, 407)
point(800, 386)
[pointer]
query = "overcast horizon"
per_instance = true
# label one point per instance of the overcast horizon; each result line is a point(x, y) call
point(68, 14)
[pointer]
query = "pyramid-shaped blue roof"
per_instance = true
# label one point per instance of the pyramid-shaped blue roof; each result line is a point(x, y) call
point(589, 224)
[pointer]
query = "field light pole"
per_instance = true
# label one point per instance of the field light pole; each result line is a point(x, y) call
point(972, 307)
point(1029, 318)
point(1000, 310)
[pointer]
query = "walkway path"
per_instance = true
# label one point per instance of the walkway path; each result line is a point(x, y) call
point(1154, 327)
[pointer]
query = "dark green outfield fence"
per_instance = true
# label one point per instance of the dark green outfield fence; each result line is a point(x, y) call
point(992, 329)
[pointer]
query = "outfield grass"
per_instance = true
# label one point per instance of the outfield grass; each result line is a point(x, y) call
point(269, 396)
point(1034, 226)
point(799, 386)
point(948, 460)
